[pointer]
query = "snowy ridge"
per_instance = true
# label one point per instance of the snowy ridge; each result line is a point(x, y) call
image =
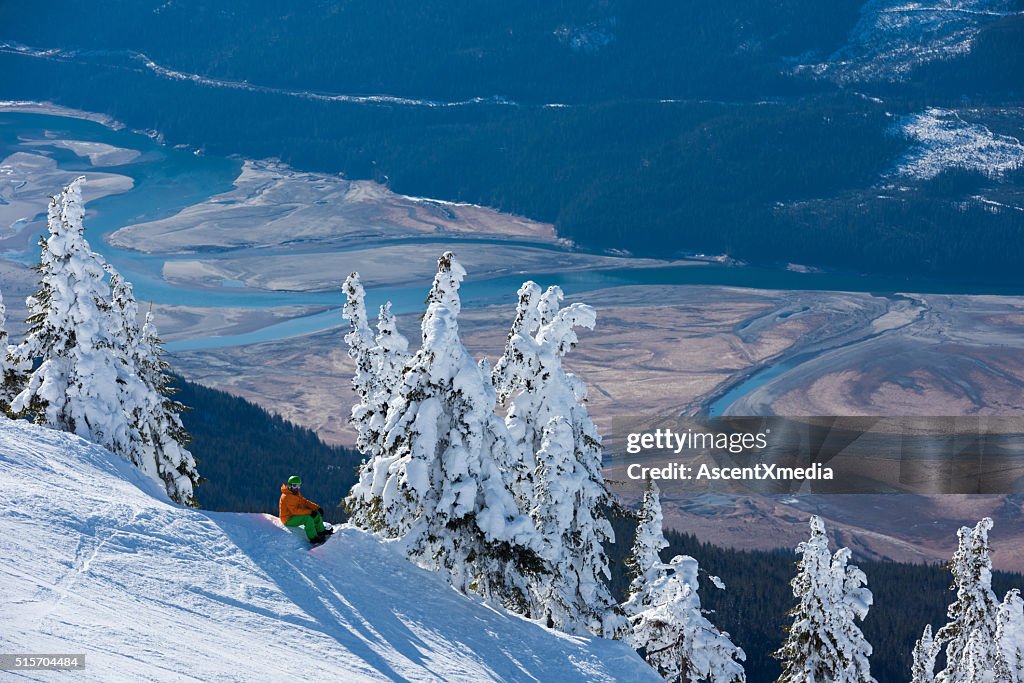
point(94, 560)
point(894, 36)
point(944, 140)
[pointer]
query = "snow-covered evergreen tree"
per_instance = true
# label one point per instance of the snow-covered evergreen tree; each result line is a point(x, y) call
point(824, 644)
point(667, 625)
point(392, 351)
point(556, 594)
point(162, 440)
point(644, 561)
point(75, 387)
point(441, 482)
point(11, 372)
point(359, 340)
point(983, 639)
point(530, 369)
point(158, 443)
point(518, 370)
point(550, 424)
point(975, 607)
point(379, 362)
point(922, 669)
point(5, 392)
point(1010, 638)
point(674, 635)
point(99, 376)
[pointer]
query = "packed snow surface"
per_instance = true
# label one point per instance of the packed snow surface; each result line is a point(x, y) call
point(94, 560)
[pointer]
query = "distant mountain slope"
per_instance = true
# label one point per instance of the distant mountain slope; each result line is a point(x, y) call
point(893, 37)
point(246, 453)
point(533, 52)
point(94, 560)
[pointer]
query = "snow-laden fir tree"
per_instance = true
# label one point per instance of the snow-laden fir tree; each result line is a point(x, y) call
point(824, 644)
point(518, 370)
point(75, 387)
point(975, 607)
point(380, 361)
point(982, 639)
point(1010, 638)
point(668, 626)
point(922, 669)
point(11, 372)
point(99, 376)
point(556, 593)
point(514, 370)
point(644, 561)
point(444, 492)
point(530, 368)
point(392, 351)
point(674, 635)
point(359, 339)
point(557, 439)
point(5, 392)
point(161, 440)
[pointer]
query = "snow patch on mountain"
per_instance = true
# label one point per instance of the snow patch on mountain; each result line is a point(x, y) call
point(94, 560)
point(893, 37)
point(945, 140)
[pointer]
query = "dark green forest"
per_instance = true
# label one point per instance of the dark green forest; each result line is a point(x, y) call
point(747, 159)
point(245, 453)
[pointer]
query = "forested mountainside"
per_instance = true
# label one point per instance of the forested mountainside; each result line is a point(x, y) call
point(862, 135)
point(245, 453)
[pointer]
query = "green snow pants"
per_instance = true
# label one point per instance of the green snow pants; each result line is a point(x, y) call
point(313, 525)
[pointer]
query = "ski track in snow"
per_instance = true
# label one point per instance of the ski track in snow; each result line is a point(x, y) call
point(94, 560)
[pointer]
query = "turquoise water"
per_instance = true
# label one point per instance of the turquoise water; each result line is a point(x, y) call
point(720, 405)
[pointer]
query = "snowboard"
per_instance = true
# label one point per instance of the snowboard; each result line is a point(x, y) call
point(330, 534)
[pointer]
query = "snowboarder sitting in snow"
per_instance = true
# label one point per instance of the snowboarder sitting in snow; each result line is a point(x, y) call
point(296, 510)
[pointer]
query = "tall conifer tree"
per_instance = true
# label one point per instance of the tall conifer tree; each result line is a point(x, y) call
point(75, 386)
point(439, 480)
point(824, 643)
point(98, 374)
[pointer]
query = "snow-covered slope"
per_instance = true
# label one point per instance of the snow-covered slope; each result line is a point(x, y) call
point(895, 36)
point(94, 560)
point(946, 139)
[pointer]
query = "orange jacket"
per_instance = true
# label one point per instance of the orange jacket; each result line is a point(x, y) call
point(294, 504)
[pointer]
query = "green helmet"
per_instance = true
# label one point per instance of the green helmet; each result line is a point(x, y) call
point(294, 480)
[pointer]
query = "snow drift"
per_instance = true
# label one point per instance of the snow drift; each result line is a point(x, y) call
point(95, 560)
